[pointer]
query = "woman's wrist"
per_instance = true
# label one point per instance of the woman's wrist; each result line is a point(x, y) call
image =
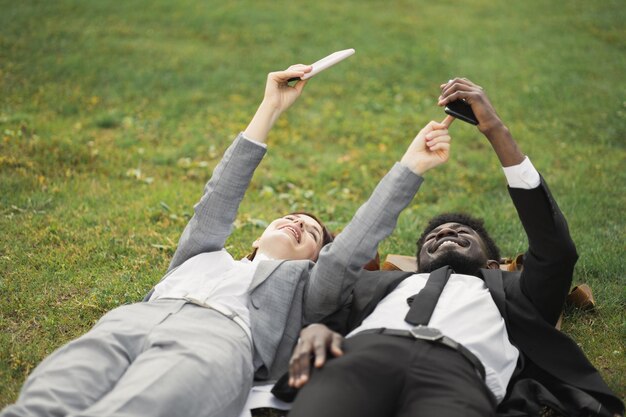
point(270, 111)
point(262, 122)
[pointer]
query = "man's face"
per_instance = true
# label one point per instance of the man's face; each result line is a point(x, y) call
point(295, 236)
point(453, 244)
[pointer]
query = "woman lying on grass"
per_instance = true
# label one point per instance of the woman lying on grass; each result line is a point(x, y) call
point(214, 324)
point(187, 350)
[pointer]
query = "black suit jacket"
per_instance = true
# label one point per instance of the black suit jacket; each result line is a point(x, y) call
point(552, 369)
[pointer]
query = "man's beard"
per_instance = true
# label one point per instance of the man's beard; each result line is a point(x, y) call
point(459, 263)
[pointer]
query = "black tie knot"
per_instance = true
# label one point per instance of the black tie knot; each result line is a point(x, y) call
point(424, 302)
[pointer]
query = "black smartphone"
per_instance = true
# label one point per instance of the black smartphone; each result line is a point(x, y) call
point(462, 111)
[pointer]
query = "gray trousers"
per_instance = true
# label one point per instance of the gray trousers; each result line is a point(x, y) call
point(162, 358)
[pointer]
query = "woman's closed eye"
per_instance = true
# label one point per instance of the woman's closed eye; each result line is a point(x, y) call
point(315, 234)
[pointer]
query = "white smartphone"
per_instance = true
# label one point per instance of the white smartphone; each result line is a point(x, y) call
point(326, 62)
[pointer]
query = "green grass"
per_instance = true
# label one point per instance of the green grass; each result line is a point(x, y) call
point(113, 115)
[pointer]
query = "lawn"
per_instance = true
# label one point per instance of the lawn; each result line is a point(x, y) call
point(113, 115)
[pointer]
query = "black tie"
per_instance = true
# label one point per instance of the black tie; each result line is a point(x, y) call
point(423, 303)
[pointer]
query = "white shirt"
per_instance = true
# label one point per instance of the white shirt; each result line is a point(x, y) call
point(524, 175)
point(466, 313)
point(482, 329)
point(213, 279)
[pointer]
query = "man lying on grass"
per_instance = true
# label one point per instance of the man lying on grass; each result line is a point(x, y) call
point(460, 337)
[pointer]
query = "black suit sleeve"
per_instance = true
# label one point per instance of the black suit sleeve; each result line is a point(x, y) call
point(551, 256)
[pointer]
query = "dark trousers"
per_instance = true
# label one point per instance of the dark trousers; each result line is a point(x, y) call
point(382, 375)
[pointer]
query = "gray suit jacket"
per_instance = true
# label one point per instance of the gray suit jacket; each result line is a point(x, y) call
point(285, 295)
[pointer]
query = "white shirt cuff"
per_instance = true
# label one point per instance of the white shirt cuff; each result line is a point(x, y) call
point(264, 145)
point(523, 175)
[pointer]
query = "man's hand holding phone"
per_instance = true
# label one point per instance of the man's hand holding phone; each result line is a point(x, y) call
point(463, 98)
point(489, 123)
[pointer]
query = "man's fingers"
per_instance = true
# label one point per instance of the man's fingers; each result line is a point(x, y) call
point(294, 369)
point(299, 368)
point(320, 353)
point(299, 358)
point(453, 96)
point(335, 345)
point(305, 365)
point(305, 349)
point(459, 82)
point(312, 346)
point(456, 93)
point(453, 85)
point(293, 372)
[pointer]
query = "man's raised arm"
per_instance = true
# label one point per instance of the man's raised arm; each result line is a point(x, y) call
point(551, 256)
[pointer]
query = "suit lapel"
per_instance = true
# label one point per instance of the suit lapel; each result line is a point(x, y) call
point(264, 270)
point(370, 288)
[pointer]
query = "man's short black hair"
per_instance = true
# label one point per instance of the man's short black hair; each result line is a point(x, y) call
point(493, 252)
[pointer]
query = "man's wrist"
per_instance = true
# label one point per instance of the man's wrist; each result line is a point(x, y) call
point(496, 131)
point(504, 145)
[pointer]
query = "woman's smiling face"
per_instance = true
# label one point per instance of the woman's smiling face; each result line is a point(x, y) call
point(295, 236)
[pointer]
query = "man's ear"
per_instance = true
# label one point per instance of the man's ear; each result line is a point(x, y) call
point(491, 264)
point(256, 243)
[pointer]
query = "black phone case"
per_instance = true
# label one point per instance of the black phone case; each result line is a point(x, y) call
point(462, 111)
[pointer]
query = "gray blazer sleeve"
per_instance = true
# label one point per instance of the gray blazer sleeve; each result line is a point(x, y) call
point(340, 262)
point(215, 213)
